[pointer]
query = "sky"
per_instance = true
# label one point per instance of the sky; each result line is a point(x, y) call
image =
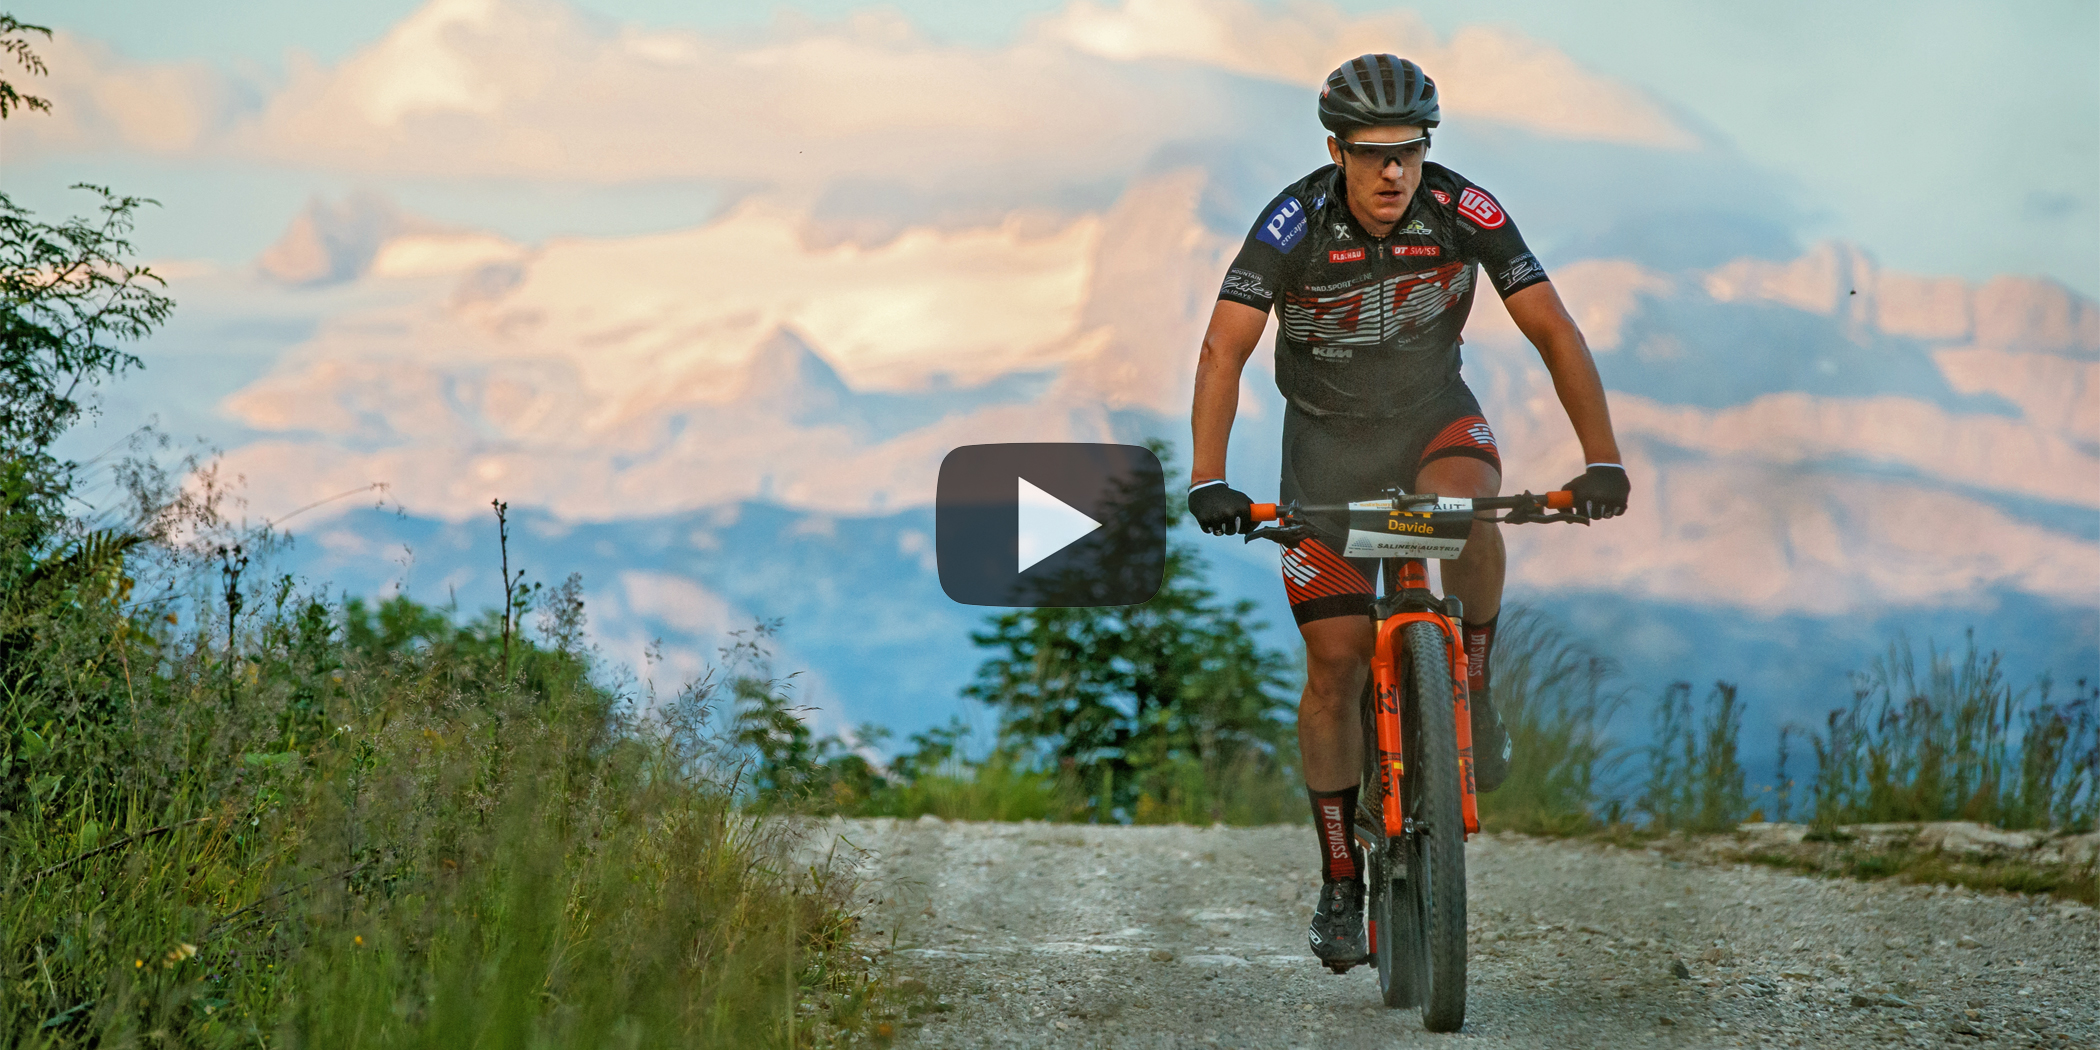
point(1955, 138)
point(646, 272)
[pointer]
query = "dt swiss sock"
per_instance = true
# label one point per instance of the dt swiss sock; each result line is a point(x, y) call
point(1334, 817)
point(1480, 644)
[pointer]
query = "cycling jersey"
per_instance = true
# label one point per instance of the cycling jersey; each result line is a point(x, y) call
point(1370, 325)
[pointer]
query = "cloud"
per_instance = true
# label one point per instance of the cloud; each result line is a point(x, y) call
point(639, 376)
point(534, 89)
point(1481, 73)
point(931, 245)
point(610, 377)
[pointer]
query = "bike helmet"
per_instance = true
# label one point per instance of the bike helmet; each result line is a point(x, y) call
point(1371, 90)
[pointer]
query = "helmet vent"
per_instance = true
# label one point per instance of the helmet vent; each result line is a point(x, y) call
point(1378, 90)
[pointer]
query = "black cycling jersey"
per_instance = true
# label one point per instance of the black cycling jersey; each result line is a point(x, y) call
point(1370, 325)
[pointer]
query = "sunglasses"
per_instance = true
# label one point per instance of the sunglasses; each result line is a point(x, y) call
point(1384, 153)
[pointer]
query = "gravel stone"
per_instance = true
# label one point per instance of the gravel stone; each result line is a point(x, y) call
point(1052, 935)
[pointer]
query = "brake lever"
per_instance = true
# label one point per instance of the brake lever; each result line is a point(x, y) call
point(1529, 515)
point(1287, 535)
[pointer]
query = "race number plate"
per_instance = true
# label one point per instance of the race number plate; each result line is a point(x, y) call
point(1376, 530)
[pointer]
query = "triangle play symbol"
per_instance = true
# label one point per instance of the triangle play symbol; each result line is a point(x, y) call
point(1044, 525)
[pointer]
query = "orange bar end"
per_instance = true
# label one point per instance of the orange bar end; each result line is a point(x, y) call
point(1560, 500)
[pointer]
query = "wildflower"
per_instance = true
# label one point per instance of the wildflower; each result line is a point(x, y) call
point(138, 964)
point(177, 954)
point(359, 941)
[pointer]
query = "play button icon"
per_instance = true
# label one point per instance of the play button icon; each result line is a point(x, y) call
point(1050, 525)
point(1044, 525)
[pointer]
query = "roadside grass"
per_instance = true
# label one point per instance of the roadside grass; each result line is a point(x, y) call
point(1556, 700)
point(370, 826)
point(2074, 882)
point(1953, 739)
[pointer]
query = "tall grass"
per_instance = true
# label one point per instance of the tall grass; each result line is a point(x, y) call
point(1695, 778)
point(1953, 739)
point(329, 824)
point(1556, 699)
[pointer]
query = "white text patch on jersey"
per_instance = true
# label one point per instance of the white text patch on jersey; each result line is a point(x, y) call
point(1373, 313)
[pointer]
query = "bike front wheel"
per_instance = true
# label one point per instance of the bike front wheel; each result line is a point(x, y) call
point(1436, 851)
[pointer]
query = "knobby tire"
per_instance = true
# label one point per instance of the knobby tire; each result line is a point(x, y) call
point(1436, 853)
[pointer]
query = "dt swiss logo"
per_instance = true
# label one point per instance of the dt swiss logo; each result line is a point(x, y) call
point(1481, 208)
point(1417, 249)
point(1342, 255)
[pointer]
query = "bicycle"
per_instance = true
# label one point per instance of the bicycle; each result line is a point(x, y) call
point(1413, 826)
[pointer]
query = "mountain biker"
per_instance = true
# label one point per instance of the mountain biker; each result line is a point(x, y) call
point(1369, 262)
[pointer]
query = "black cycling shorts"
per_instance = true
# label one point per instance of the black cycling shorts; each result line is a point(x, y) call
point(1335, 461)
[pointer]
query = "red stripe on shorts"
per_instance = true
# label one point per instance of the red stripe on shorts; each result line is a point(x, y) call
point(1314, 570)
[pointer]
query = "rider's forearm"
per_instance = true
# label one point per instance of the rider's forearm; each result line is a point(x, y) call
point(1227, 343)
point(1545, 321)
point(1581, 392)
point(1217, 403)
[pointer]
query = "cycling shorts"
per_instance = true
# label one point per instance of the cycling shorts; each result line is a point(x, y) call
point(1330, 461)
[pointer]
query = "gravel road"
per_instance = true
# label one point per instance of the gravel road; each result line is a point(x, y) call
point(1084, 936)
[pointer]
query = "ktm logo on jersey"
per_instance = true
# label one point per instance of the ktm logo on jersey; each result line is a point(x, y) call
point(1481, 208)
point(1342, 255)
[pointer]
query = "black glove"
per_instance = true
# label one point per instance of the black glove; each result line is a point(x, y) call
point(1221, 510)
point(1601, 490)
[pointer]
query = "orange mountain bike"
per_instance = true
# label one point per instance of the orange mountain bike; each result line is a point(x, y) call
point(1414, 821)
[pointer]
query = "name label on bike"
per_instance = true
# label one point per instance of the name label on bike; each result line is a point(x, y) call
point(1377, 530)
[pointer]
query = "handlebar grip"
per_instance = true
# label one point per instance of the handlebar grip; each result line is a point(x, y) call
point(1560, 500)
point(1264, 512)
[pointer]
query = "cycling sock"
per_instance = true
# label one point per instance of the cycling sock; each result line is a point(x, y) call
point(1480, 644)
point(1334, 817)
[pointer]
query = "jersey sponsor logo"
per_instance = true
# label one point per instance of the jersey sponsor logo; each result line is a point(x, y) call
point(1246, 284)
point(1372, 314)
point(1441, 196)
point(1414, 228)
point(1417, 249)
point(1524, 269)
point(1341, 232)
point(1342, 255)
point(1285, 226)
point(1475, 204)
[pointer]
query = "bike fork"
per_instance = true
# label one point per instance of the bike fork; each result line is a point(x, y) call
point(1388, 678)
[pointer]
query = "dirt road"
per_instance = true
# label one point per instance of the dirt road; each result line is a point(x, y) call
point(1079, 936)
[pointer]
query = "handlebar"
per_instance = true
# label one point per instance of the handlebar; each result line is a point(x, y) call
point(1523, 508)
point(1558, 499)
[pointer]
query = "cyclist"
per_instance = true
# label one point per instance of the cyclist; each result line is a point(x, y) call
point(1369, 262)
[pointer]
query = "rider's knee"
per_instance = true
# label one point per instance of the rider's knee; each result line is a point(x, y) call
point(1335, 680)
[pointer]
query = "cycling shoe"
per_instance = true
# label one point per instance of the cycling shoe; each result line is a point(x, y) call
point(1337, 932)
